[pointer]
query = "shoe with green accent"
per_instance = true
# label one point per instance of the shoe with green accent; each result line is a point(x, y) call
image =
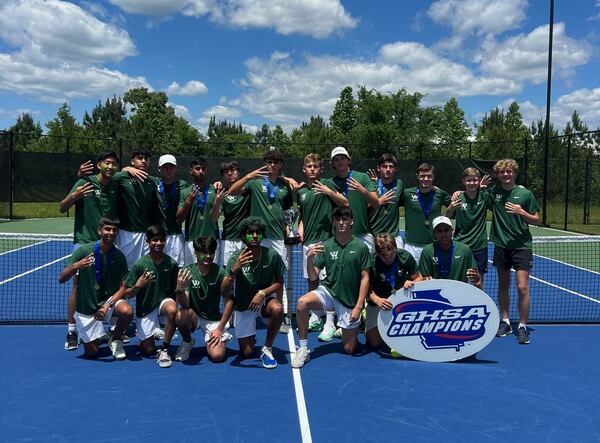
point(327, 334)
point(395, 354)
point(338, 333)
point(315, 326)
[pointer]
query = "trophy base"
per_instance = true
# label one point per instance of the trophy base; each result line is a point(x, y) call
point(292, 240)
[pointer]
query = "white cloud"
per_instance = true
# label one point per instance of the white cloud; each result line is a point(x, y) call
point(193, 87)
point(220, 112)
point(14, 113)
point(55, 62)
point(180, 110)
point(585, 101)
point(285, 16)
point(525, 56)
point(479, 17)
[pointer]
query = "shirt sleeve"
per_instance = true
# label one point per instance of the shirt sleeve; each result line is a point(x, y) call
point(132, 276)
point(75, 256)
point(425, 267)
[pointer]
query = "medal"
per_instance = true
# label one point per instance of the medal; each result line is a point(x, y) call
point(202, 217)
point(426, 222)
point(386, 212)
point(97, 287)
point(270, 206)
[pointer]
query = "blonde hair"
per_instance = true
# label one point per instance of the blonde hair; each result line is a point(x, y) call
point(384, 243)
point(314, 158)
point(471, 171)
point(507, 163)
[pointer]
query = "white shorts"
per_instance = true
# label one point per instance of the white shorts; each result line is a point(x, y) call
point(399, 242)
point(305, 249)
point(207, 326)
point(244, 322)
point(279, 247)
point(90, 329)
point(175, 248)
point(189, 255)
point(331, 304)
point(228, 248)
point(133, 245)
point(414, 250)
point(146, 326)
point(368, 240)
point(371, 320)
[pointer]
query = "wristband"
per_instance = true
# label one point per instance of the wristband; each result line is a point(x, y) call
point(261, 292)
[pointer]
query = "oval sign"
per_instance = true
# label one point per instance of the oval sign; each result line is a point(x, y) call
point(439, 320)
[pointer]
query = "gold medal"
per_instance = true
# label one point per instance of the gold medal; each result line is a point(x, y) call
point(97, 287)
point(202, 217)
point(270, 206)
point(386, 212)
point(426, 222)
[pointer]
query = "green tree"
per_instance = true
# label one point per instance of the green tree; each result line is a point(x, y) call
point(108, 120)
point(26, 132)
point(454, 132)
point(314, 136)
point(344, 117)
point(64, 134)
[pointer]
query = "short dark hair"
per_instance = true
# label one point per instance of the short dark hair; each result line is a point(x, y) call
point(110, 221)
point(200, 161)
point(425, 167)
point(205, 244)
point(342, 211)
point(140, 151)
point(384, 158)
point(227, 165)
point(273, 154)
point(252, 224)
point(155, 231)
point(105, 154)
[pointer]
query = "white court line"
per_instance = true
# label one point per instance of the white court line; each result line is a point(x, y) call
point(33, 270)
point(565, 289)
point(566, 264)
point(300, 402)
point(24, 247)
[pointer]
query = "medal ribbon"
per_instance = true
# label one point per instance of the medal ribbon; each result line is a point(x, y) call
point(382, 188)
point(173, 194)
point(444, 267)
point(271, 193)
point(338, 182)
point(98, 260)
point(201, 202)
point(426, 207)
point(390, 274)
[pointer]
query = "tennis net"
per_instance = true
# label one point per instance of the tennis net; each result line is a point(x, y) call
point(564, 283)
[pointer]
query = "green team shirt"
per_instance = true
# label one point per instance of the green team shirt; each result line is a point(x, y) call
point(386, 219)
point(167, 204)
point(316, 213)
point(462, 259)
point(417, 232)
point(136, 202)
point(205, 292)
point(149, 297)
point(404, 267)
point(470, 221)
point(235, 209)
point(198, 222)
point(271, 212)
point(90, 297)
point(344, 264)
point(356, 200)
point(511, 231)
point(89, 210)
point(251, 278)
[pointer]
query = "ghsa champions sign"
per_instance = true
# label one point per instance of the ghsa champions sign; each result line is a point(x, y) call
point(439, 320)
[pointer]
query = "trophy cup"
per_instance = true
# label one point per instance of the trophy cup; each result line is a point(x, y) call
point(291, 217)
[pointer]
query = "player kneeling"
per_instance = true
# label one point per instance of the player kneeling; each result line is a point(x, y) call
point(199, 295)
point(101, 270)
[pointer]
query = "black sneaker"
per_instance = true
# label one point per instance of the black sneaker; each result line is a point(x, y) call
point(71, 342)
point(504, 329)
point(523, 336)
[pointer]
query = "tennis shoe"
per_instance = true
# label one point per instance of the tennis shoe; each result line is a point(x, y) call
point(523, 338)
point(284, 329)
point(104, 339)
point(327, 334)
point(338, 333)
point(116, 348)
point(71, 342)
point(267, 359)
point(315, 323)
point(301, 357)
point(504, 329)
point(159, 334)
point(163, 358)
point(183, 351)
point(124, 338)
point(395, 354)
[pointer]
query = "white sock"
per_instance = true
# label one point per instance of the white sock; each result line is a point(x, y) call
point(71, 327)
point(303, 343)
point(522, 325)
point(329, 320)
point(506, 320)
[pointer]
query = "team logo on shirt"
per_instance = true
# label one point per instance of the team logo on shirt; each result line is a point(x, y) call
point(97, 192)
point(230, 198)
point(463, 206)
point(439, 320)
point(414, 197)
point(498, 197)
point(195, 284)
point(246, 270)
point(333, 254)
point(302, 197)
point(434, 260)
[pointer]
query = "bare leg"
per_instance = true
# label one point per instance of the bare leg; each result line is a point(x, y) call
point(350, 340)
point(305, 304)
point(524, 298)
point(273, 311)
point(503, 288)
point(247, 346)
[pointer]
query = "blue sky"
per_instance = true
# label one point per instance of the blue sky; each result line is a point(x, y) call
point(281, 61)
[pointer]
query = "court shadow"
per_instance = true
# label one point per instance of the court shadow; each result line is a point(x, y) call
point(254, 362)
point(336, 348)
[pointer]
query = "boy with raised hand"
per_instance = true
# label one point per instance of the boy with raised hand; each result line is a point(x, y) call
point(94, 197)
point(360, 191)
point(469, 209)
point(258, 275)
point(168, 192)
point(316, 199)
point(386, 217)
point(200, 302)
point(235, 209)
point(513, 209)
point(152, 280)
point(270, 195)
point(101, 269)
point(197, 208)
point(346, 260)
point(393, 269)
point(422, 203)
point(446, 258)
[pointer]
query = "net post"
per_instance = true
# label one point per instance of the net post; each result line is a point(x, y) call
point(567, 181)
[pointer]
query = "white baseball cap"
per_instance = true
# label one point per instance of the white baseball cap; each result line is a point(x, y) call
point(166, 159)
point(340, 150)
point(441, 220)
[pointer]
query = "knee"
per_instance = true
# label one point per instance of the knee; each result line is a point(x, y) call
point(350, 347)
point(182, 316)
point(302, 305)
point(148, 349)
point(126, 311)
point(170, 311)
point(523, 288)
point(276, 309)
point(218, 356)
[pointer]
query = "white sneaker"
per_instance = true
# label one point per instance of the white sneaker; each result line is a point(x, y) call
point(301, 358)
point(267, 359)
point(183, 351)
point(164, 359)
point(327, 334)
point(338, 333)
point(116, 348)
point(159, 334)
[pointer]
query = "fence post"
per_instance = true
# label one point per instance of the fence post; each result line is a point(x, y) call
point(586, 192)
point(11, 167)
point(67, 151)
point(567, 182)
